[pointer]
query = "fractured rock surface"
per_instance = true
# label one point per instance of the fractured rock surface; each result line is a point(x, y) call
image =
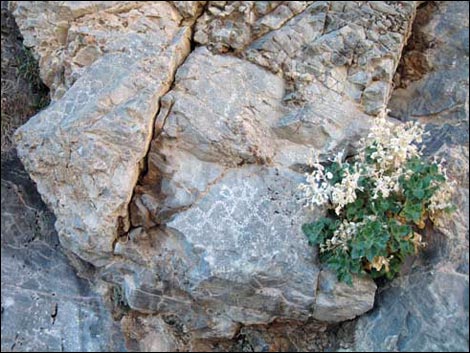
point(45, 306)
point(174, 169)
point(427, 309)
point(94, 138)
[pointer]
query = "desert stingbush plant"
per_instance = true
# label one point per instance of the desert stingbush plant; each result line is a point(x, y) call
point(378, 201)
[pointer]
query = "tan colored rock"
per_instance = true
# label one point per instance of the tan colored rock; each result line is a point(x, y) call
point(232, 25)
point(84, 151)
point(336, 302)
point(68, 36)
point(349, 49)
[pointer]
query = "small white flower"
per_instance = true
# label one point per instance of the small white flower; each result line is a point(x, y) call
point(329, 175)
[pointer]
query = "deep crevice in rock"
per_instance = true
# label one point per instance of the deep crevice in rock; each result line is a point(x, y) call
point(414, 64)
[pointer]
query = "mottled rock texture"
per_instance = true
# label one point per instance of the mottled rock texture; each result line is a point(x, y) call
point(427, 309)
point(45, 306)
point(89, 145)
point(178, 136)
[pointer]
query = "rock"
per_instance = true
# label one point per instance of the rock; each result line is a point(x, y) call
point(45, 306)
point(427, 308)
point(189, 10)
point(150, 334)
point(215, 255)
point(230, 128)
point(45, 28)
point(335, 43)
point(84, 151)
point(215, 267)
point(264, 253)
point(338, 302)
point(438, 96)
point(199, 183)
point(327, 123)
point(176, 173)
point(233, 25)
point(439, 99)
point(204, 127)
point(69, 36)
point(374, 97)
point(422, 312)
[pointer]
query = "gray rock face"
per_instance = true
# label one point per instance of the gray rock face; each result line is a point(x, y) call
point(239, 224)
point(238, 268)
point(94, 138)
point(263, 252)
point(427, 309)
point(433, 83)
point(176, 173)
point(45, 306)
point(349, 48)
point(421, 312)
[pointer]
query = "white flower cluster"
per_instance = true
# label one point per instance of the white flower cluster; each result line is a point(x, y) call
point(318, 190)
point(345, 192)
point(382, 159)
point(394, 145)
point(345, 232)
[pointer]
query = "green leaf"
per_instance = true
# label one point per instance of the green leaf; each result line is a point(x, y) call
point(320, 230)
point(412, 211)
point(418, 193)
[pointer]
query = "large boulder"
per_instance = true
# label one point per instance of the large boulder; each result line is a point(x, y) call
point(85, 151)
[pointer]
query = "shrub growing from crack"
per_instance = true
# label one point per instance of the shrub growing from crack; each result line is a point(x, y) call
point(378, 202)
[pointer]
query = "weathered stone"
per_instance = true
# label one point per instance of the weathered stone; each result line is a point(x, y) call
point(338, 302)
point(189, 10)
point(427, 308)
point(422, 312)
point(215, 267)
point(45, 306)
point(210, 119)
point(203, 127)
point(232, 25)
point(45, 28)
point(208, 243)
point(438, 96)
point(439, 99)
point(332, 43)
point(327, 123)
point(245, 268)
point(264, 253)
point(150, 334)
point(99, 132)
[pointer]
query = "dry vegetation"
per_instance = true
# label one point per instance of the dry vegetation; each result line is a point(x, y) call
point(22, 92)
